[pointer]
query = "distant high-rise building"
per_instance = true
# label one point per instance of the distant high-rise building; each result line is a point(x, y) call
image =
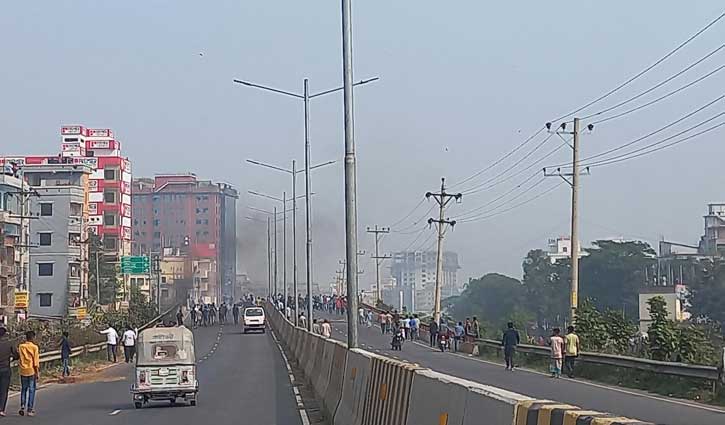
point(196, 217)
point(415, 276)
point(13, 233)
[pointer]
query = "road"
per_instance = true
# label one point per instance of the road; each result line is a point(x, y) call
point(242, 379)
point(589, 395)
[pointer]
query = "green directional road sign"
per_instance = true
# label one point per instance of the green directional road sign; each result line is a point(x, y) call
point(135, 264)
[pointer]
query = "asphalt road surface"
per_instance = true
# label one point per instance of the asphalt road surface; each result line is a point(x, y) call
point(589, 395)
point(242, 379)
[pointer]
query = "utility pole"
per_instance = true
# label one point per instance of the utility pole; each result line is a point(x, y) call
point(269, 257)
point(378, 258)
point(275, 255)
point(157, 269)
point(574, 184)
point(443, 199)
point(284, 248)
point(98, 244)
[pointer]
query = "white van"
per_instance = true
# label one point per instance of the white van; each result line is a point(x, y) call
point(253, 319)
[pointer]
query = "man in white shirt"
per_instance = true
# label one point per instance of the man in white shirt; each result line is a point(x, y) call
point(129, 344)
point(111, 342)
point(326, 329)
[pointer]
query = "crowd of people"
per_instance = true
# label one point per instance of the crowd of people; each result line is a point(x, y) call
point(208, 314)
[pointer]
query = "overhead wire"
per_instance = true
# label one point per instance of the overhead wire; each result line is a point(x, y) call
point(660, 84)
point(409, 214)
point(522, 203)
point(641, 73)
point(503, 195)
point(416, 222)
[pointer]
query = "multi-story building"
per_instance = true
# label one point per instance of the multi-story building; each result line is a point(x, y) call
point(196, 217)
point(713, 241)
point(109, 184)
point(560, 248)
point(13, 233)
point(58, 266)
point(415, 276)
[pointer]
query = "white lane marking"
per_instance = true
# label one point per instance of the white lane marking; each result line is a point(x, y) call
point(300, 404)
point(114, 413)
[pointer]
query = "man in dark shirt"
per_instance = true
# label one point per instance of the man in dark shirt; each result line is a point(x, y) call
point(65, 350)
point(433, 330)
point(509, 341)
point(8, 351)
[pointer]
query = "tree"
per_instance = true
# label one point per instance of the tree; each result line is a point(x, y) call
point(546, 287)
point(493, 298)
point(662, 334)
point(613, 272)
point(109, 273)
point(590, 326)
point(694, 346)
point(707, 292)
point(619, 330)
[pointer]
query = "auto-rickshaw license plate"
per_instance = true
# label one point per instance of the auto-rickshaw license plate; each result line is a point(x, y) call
point(163, 371)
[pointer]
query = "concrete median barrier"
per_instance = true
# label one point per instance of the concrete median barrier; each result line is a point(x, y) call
point(388, 391)
point(323, 367)
point(354, 388)
point(333, 392)
point(545, 412)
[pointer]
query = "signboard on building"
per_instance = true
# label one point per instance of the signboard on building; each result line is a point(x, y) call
point(21, 299)
point(135, 264)
point(99, 144)
point(79, 313)
point(99, 132)
point(93, 208)
point(93, 185)
point(71, 129)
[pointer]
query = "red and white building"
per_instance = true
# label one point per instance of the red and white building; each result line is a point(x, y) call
point(109, 185)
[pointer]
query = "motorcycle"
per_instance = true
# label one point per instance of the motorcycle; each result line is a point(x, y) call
point(397, 342)
point(444, 343)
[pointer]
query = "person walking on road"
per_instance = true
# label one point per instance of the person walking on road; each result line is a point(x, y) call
point(302, 321)
point(129, 344)
point(193, 316)
point(111, 342)
point(433, 329)
point(557, 353)
point(235, 313)
point(475, 328)
point(180, 317)
point(458, 333)
point(509, 342)
point(29, 366)
point(572, 351)
point(326, 329)
point(414, 327)
point(361, 316)
point(7, 353)
point(65, 354)
point(315, 327)
point(382, 317)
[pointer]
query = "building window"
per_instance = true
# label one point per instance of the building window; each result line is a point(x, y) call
point(157, 235)
point(198, 221)
point(46, 300)
point(109, 174)
point(109, 219)
point(206, 221)
point(109, 243)
point(74, 239)
point(75, 270)
point(157, 222)
point(109, 197)
point(76, 209)
point(45, 239)
point(45, 269)
point(163, 279)
point(46, 209)
point(565, 249)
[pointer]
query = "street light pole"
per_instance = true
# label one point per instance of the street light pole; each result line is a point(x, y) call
point(275, 253)
point(350, 176)
point(308, 210)
point(294, 240)
point(284, 251)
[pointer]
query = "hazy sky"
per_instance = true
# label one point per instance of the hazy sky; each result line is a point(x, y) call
point(461, 84)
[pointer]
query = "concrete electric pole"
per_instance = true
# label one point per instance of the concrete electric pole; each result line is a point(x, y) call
point(443, 199)
point(378, 258)
point(574, 184)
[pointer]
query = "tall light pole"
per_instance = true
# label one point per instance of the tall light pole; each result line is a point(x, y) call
point(271, 215)
point(269, 250)
point(305, 97)
point(293, 172)
point(350, 175)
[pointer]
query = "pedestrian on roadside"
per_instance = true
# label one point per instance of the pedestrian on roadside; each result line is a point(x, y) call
point(414, 327)
point(388, 322)
point(235, 313)
point(193, 315)
point(8, 352)
point(326, 329)
point(475, 328)
point(65, 349)
point(433, 330)
point(111, 342)
point(180, 318)
point(467, 326)
point(382, 317)
point(406, 327)
point(557, 352)
point(361, 316)
point(510, 340)
point(303, 321)
point(29, 366)
point(572, 351)
point(315, 327)
point(458, 334)
point(129, 344)
point(370, 319)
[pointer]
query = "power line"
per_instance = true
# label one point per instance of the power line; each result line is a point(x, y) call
point(532, 199)
point(503, 195)
point(644, 71)
point(624, 157)
point(511, 167)
point(648, 135)
point(660, 84)
point(503, 158)
point(416, 222)
point(629, 111)
point(410, 213)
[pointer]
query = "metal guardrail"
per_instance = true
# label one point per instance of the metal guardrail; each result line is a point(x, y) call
point(684, 370)
point(51, 356)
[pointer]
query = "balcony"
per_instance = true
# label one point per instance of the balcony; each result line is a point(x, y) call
point(74, 284)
